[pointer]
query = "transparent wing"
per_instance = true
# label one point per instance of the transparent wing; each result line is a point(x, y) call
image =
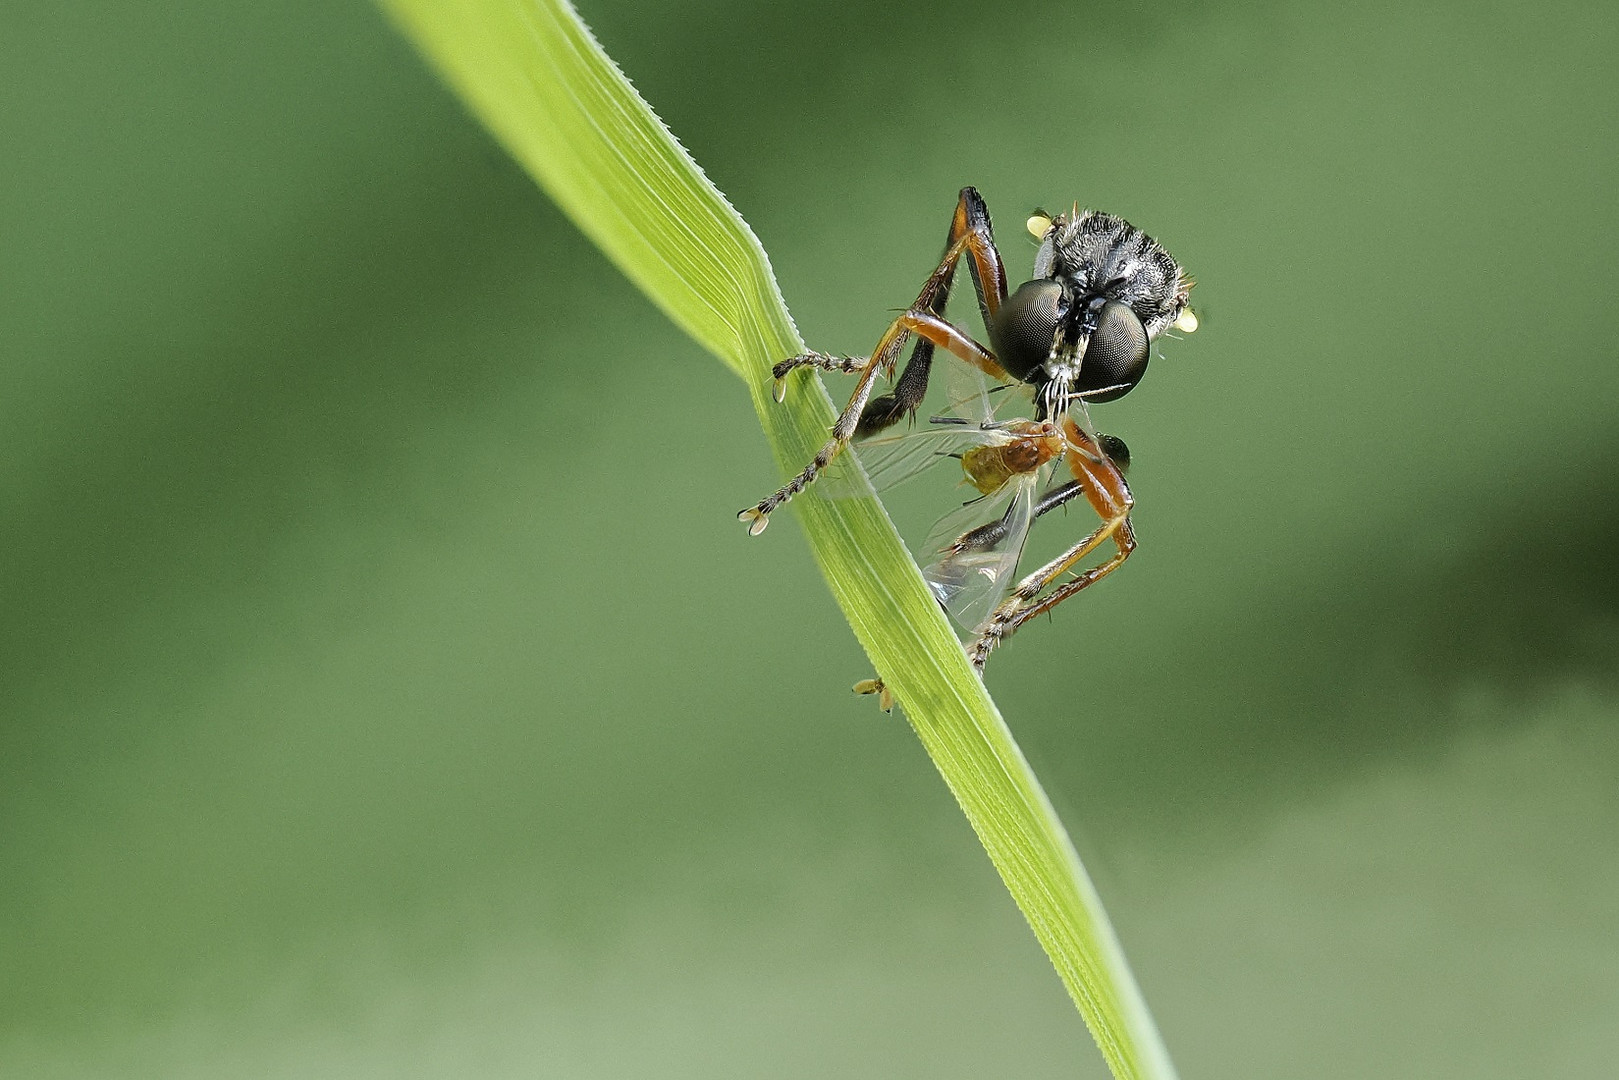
point(892, 458)
point(989, 533)
point(967, 391)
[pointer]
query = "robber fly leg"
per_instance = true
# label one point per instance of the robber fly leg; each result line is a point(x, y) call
point(848, 365)
point(905, 398)
point(970, 235)
point(990, 536)
point(970, 222)
point(930, 328)
point(1026, 602)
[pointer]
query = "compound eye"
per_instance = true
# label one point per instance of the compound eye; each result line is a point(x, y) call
point(1114, 448)
point(1025, 327)
point(1116, 357)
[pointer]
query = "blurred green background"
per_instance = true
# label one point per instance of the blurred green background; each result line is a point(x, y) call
point(386, 687)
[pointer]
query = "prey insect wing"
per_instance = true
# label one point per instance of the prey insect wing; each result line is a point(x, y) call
point(977, 548)
point(891, 458)
point(969, 393)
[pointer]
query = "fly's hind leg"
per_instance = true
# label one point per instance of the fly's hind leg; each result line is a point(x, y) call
point(1026, 601)
point(970, 235)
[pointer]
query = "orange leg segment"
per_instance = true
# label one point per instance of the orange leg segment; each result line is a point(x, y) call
point(970, 235)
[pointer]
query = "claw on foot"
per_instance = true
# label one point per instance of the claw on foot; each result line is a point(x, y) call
point(757, 520)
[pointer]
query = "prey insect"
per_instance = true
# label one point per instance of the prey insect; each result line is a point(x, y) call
point(974, 551)
point(1079, 331)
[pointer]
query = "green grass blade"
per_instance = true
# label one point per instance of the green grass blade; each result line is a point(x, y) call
point(535, 76)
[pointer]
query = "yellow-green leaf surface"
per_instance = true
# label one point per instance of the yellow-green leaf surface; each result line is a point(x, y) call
point(531, 71)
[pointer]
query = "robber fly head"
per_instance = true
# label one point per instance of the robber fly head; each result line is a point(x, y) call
point(1082, 328)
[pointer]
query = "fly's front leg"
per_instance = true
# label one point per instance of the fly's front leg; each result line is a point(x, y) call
point(970, 221)
point(923, 324)
point(848, 365)
point(970, 235)
point(906, 396)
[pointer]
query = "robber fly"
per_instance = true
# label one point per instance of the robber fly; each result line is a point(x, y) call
point(1079, 331)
